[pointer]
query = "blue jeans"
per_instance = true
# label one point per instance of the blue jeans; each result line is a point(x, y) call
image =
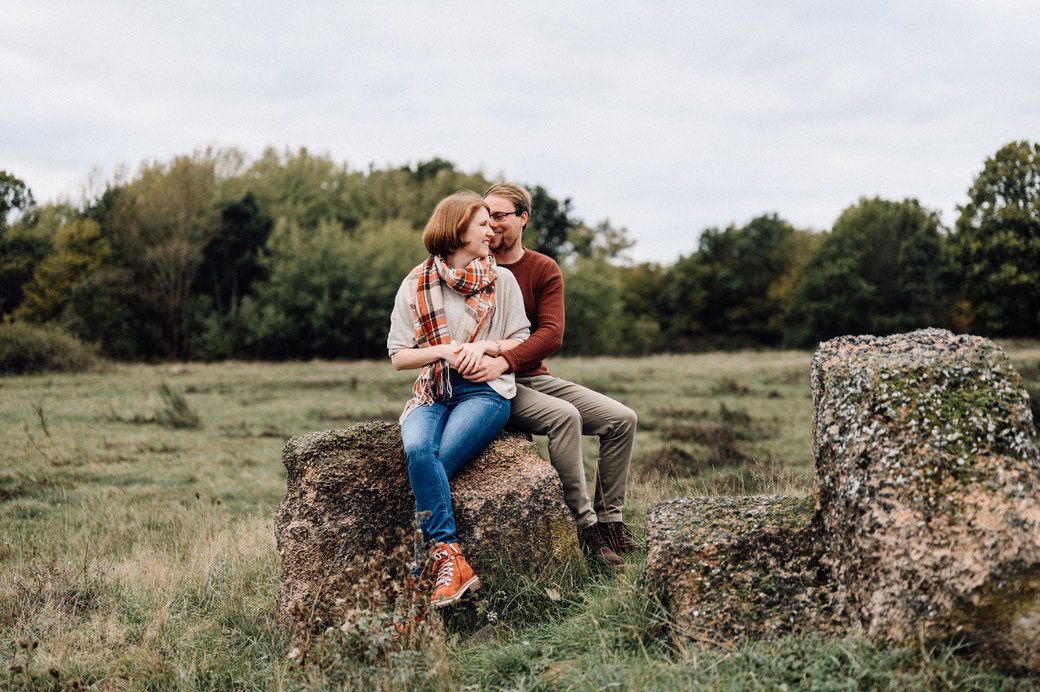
point(442, 438)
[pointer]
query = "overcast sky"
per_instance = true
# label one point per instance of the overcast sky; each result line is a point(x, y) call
point(663, 117)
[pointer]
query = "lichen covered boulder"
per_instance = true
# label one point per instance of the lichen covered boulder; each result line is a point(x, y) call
point(926, 479)
point(347, 489)
point(732, 569)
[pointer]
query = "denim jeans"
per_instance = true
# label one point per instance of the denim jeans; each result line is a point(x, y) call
point(442, 438)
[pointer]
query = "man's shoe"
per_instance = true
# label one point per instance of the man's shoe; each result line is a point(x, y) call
point(595, 547)
point(452, 575)
point(618, 537)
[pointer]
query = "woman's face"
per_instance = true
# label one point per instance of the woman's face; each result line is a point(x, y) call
point(477, 236)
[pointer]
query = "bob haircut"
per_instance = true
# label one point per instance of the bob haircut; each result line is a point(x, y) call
point(516, 194)
point(443, 233)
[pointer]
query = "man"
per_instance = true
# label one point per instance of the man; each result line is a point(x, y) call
point(547, 405)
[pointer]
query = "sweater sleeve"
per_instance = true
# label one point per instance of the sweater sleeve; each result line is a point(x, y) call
point(547, 328)
point(402, 326)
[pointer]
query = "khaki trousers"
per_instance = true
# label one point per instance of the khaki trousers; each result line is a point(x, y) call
point(564, 411)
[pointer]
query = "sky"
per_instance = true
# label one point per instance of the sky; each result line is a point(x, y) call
point(664, 118)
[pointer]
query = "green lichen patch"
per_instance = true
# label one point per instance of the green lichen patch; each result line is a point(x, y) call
point(732, 569)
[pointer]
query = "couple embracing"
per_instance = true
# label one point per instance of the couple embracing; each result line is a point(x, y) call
point(478, 318)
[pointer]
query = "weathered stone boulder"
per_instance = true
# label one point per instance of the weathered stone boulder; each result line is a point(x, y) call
point(926, 483)
point(730, 569)
point(347, 488)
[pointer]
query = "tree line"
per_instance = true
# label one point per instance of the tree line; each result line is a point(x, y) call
point(292, 255)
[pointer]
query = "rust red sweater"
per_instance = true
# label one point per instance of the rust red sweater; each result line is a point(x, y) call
point(541, 284)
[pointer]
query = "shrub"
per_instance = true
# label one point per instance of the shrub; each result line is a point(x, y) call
point(27, 348)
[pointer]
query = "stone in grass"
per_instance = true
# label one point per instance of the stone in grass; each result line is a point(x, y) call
point(733, 569)
point(926, 479)
point(347, 488)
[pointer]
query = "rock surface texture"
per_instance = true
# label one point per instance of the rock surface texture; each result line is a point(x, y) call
point(348, 488)
point(926, 520)
point(926, 480)
point(735, 568)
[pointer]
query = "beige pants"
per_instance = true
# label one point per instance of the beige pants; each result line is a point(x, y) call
point(564, 411)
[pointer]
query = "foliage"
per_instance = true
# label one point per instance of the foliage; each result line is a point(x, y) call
point(231, 264)
point(79, 250)
point(158, 225)
point(550, 224)
point(27, 348)
point(592, 305)
point(107, 308)
point(997, 242)
point(735, 289)
point(328, 293)
point(22, 249)
point(15, 196)
point(180, 261)
point(879, 271)
point(301, 187)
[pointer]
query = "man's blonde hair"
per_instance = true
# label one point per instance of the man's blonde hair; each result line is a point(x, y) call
point(516, 194)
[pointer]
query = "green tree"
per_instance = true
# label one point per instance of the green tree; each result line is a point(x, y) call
point(592, 306)
point(996, 245)
point(879, 271)
point(23, 246)
point(329, 293)
point(15, 196)
point(231, 258)
point(106, 307)
point(301, 187)
point(158, 224)
point(231, 264)
point(79, 250)
point(734, 290)
point(550, 226)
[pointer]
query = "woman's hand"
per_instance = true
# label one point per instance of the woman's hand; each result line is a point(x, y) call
point(467, 356)
point(448, 353)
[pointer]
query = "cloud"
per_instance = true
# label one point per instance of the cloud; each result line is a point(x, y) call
point(665, 118)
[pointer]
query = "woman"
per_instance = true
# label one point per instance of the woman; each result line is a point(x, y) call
point(451, 310)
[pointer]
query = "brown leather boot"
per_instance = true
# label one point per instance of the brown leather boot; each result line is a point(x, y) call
point(618, 537)
point(452, 575)
point(596, 548)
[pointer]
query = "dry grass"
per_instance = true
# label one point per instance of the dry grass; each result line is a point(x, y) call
point(140, 556)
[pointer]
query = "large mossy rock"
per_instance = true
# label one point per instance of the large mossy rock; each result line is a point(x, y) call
point(347, 489)
point(733, 569)
point(926, 482)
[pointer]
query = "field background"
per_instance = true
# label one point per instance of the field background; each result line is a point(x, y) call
point(137, 546)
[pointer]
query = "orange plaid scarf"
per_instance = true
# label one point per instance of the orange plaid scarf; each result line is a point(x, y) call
point(476, 281)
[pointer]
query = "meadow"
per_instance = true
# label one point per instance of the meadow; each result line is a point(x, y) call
point(137, 546)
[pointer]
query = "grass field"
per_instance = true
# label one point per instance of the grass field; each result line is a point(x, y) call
point(137, 546)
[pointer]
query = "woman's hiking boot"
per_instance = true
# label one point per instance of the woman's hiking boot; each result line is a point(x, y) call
point(618, 537)
point(593, 545)
point(452, 575)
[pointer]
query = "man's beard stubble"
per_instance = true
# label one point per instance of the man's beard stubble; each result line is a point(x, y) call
point(502, 247)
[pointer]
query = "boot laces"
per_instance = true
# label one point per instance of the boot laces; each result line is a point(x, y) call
point(445, 572)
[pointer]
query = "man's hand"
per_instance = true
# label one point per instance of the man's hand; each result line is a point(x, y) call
point(489, 368)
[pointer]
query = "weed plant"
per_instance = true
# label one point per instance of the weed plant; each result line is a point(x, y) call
point(141, 556)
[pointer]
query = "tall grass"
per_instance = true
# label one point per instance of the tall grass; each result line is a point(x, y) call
point(139, 555)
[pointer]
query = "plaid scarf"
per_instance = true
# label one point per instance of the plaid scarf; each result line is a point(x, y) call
point(476, 281)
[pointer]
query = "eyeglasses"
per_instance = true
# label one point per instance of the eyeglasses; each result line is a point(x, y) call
point(501, 215)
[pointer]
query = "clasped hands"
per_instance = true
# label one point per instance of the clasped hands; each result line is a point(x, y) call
point(470, 361)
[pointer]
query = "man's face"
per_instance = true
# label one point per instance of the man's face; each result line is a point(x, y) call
point(509, 229)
